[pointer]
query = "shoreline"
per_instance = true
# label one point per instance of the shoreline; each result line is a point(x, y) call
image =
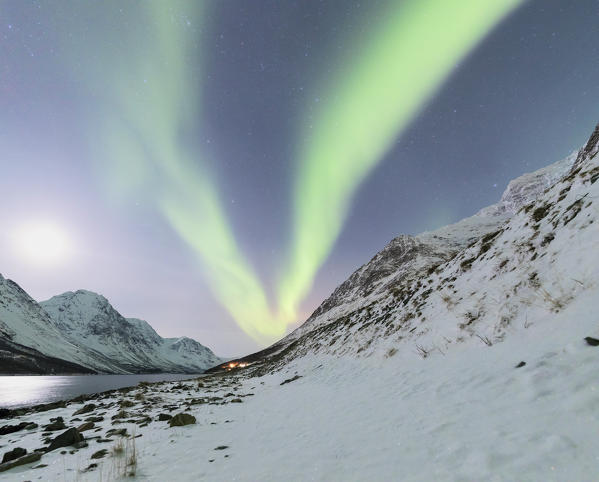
point(82, 425)
point(328, 418)
point(8, 411)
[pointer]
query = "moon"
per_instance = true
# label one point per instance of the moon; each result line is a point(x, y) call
point(43, 243)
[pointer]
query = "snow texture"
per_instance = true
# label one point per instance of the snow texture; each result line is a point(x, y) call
point(469, 415)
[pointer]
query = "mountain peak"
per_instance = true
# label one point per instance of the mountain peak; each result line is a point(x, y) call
point(117, 343)
point(590, 150)
point(81, 296)
point(407, 259)
point(527, 187)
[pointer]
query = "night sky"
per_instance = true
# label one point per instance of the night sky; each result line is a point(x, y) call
point(170, 150)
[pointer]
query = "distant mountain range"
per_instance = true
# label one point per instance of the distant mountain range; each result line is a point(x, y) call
point(510, 265)
point(80, 332)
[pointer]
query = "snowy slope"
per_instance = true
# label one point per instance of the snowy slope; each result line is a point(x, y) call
point(83, 328)
point(407, 256)
point(509, 266)
point(18, 359)
point(467, 416)
point(24, 321)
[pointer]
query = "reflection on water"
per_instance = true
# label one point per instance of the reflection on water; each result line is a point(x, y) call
point(20, 391)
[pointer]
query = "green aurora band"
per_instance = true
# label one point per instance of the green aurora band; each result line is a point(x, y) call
point(369, 101)
point(142, 137)
point(371, 98)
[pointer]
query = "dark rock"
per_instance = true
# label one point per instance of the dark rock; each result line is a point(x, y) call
point(521, 364)
point(99, 454)
point(90, 467)
point(143, 421)
point(26, 459)
point(86, 426)
point(94, 419)
point(31, 426)
point(90, 407)
point(289, 380)
point(13, 454)
point(222, 447)
point(8, 429)
point(237, 400)
point(57, 424)
point(104, 440)
point(592, 341)
point(182, 419)
point(50, 406)
point(81, 445)
point(163, 417)
point(5, 413)
point(68, 437)
point(40, 466)
point(117, 431)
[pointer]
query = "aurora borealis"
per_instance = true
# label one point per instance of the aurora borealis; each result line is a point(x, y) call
point(144, 134)
point(371, 98)
point(232, 154)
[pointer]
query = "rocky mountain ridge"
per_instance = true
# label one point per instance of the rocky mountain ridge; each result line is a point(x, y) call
point(83, 328)
point(411, 256)
point(507, 267)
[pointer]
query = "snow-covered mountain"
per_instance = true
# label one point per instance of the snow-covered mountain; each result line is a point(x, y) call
point(507, 267)
point(16, 359)
point(82, 327)
point(24, 321)
point(409, 256)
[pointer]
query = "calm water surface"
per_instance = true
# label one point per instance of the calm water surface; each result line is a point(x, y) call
point(21, 391)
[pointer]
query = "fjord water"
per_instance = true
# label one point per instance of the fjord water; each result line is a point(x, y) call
point(22, 391)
